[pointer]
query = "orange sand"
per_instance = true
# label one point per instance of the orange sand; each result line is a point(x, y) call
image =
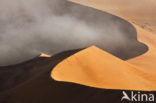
point(94, 67)
point(147, 61)
point(97, 68)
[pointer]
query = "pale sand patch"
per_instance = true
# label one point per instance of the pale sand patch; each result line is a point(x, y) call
point(45, 55)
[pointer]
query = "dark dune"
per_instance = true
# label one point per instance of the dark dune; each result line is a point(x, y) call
point(30, 82)
point(41, 88)
point(11, 76)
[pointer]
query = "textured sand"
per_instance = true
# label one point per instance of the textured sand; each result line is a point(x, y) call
point(30, 82)
point(97, 68)
point(112, 76)
point(147, 61)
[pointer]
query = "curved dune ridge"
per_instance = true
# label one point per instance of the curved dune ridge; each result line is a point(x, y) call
point(85, 69)
point(97, 68)
point(147, 37)
point(146, 61)
point(30, 82)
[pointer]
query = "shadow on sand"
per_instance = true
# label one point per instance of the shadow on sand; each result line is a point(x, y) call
point(30, 82)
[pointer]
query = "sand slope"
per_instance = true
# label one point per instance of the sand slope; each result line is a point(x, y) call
point(145, 62)
point(40, 88)
point(97, 68)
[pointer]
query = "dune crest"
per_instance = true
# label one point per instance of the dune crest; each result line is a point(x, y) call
point(97, 68)
point(145, 62)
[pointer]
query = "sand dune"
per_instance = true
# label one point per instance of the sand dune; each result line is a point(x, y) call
point(13, 75)
point(30, 82)
point(39, 87)
point(23, 81)
point(145, 62)
point(97, 68)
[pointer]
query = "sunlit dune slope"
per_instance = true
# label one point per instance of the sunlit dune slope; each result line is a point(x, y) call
point(97, 68)
point(146, 61)
point(141, 13)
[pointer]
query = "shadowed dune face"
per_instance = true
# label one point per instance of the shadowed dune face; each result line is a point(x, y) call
point(97, 68)
point(31, 27)
point(145, 62)
point(38, 87)
point(12, 76)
